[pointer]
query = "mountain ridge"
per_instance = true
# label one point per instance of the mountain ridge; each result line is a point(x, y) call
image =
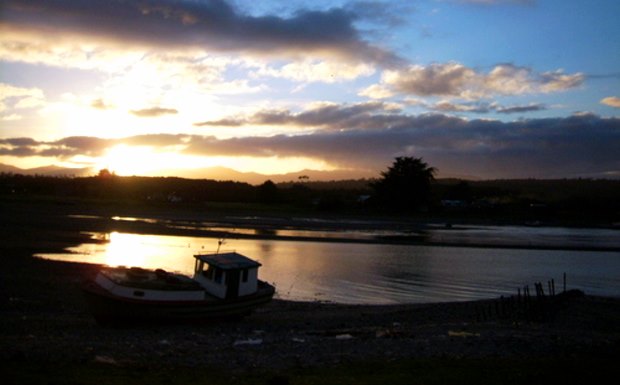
point(214, 173)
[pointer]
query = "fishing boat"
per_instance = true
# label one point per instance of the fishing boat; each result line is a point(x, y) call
point(224, 285)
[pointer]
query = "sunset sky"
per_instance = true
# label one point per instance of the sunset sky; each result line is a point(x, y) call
point(478, 88)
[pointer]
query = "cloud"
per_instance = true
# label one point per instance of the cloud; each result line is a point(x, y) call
point(520, 109)
point(436, 79)
point(483, 108)
point(324, 115)
point(360, 116)
point(458, 80)
point(318, 71)
point(612, 101)
point(213, 25)
point(555, 147)
point(377, 91)
point(88, 146)
point(579, 145)
point(154, 112)
point(100, 104)
point(20, 97)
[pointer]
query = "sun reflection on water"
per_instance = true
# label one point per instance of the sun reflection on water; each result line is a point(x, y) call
point(129, 250)
point(136, 250)
point(365, 273)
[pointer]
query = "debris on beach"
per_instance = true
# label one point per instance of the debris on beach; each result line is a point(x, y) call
point(345, 336)
point(105, 360)
point(462, 334)
point(249, 341)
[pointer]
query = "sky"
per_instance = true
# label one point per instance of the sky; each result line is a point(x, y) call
point(477, 88)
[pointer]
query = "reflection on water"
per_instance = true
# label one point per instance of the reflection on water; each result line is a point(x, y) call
point(528, 236)
point(368, 230)
point(369, 273)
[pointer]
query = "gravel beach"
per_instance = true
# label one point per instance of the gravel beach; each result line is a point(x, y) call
point(44, 321)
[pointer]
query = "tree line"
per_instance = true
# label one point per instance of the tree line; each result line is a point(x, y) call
point(407, 187)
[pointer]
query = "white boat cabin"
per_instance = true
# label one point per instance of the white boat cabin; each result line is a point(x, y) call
point(226, 275)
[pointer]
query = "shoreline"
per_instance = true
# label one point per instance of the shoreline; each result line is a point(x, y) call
point(53, 327)
point(44, 323)
point(93, 220)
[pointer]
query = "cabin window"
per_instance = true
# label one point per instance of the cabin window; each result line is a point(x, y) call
point(244, 275)
point(209, 273)
point(218, 275)
point(138, 293)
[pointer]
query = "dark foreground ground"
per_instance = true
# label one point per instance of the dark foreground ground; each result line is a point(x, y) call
point(48, 337)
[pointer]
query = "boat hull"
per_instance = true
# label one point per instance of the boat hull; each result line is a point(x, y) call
point(110, 309)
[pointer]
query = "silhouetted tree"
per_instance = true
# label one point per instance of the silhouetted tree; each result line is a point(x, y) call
point(405, 185)
point(105, 173)
point(268, 192)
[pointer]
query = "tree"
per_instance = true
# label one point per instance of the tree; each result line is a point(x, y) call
point(405, 185)
point(106, 174)
point(268, 192)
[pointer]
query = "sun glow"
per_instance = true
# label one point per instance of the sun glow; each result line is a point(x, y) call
point(144, 160)
point(125, 160)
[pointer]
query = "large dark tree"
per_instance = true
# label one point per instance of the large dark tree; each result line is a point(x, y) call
point(405, 185)
point(268, 192)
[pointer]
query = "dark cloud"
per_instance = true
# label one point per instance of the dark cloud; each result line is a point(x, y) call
point(580, 145)
point(18, 141)
point(19, 147)
point(484, 108)
point(84, 145)
point(558, 147)
point(208, 24)
point(368, 116)
point(331, 116)
point(520, 109)
point(63, 148)
point(154, 112)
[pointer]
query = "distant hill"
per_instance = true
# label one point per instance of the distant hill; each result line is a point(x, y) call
point(10, 169)
point(221, 174)
point(214, 173)
point(51, 170)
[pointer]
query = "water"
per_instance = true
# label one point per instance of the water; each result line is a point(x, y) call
point(369, 273)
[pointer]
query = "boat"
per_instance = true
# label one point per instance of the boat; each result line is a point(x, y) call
point(224, 286)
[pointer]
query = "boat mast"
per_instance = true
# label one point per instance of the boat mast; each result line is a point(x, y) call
point(220, 242)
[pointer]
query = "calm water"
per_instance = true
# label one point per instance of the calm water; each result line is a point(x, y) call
point(370, 273)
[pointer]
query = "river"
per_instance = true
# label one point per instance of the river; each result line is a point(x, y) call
point(366, 273)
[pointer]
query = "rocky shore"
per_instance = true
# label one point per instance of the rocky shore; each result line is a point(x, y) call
point(44, 322)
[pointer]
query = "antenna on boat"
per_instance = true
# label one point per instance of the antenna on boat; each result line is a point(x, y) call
point(220, 242)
